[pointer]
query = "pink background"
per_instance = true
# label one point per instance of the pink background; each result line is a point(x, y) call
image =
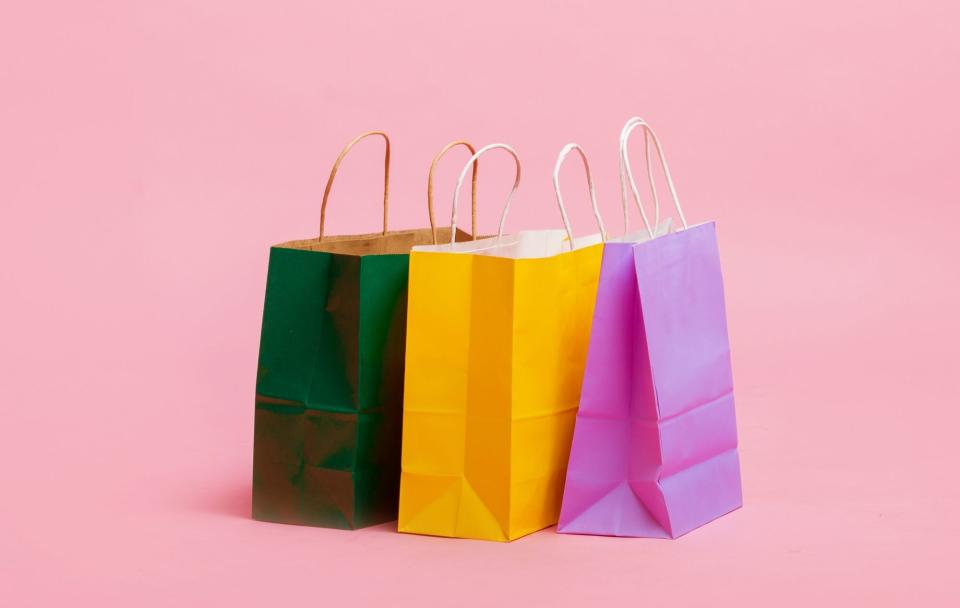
point(150, 152)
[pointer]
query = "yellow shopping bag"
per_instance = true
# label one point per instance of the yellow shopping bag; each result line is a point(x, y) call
point(497, 333)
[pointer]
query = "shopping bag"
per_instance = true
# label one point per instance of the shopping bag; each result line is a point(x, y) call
point(654, 450)
point(330, 375)
point(497, 333)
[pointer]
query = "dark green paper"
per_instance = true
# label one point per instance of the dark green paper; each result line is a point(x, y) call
point(329, 403)
point(330, 389)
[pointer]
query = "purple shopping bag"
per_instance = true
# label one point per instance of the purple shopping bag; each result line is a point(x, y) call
point(654, 450)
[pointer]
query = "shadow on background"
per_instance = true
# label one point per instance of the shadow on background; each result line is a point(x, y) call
point(235, 500)
point(231, 500)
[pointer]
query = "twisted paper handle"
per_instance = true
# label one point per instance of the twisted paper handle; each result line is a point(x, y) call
point(336, 166)
point(463, 175)
point(473, 189)
point(593, 192)
point(626, 174)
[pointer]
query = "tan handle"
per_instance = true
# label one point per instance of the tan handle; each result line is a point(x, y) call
point(336, 166)
point(473, 189)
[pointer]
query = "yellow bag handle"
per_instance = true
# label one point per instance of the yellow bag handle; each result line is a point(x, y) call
point(463, 174)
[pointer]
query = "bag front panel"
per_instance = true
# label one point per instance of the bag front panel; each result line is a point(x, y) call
point(435, 393)
point(456, 429)
point(495, 355)
point(332, 364)
point(685, 405)
point(681, 297)
point(296, 294)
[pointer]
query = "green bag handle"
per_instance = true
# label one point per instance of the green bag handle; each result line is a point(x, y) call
point(473, 189)
point(336, 166)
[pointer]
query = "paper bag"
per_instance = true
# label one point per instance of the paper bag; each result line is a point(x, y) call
point(497, 332)
point(330, 375)
point(655, 445)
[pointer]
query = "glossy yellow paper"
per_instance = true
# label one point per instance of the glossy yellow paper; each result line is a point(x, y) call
point(496, 349)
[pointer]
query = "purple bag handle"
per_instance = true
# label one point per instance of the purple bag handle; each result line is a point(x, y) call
point(593, 192)
point(626, 174)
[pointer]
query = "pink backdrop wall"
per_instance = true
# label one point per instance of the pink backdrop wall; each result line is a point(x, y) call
point(150, 152)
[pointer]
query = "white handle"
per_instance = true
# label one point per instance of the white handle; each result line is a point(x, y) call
point(593, 193)
point(626, 173)
point(624, 135)
point(463, 174)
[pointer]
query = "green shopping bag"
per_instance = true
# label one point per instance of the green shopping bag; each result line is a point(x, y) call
point(329, 395)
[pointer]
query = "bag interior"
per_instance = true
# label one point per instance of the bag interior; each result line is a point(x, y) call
point(393, 242)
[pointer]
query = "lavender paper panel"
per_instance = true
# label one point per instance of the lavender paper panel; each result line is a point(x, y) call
point(681, 298)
